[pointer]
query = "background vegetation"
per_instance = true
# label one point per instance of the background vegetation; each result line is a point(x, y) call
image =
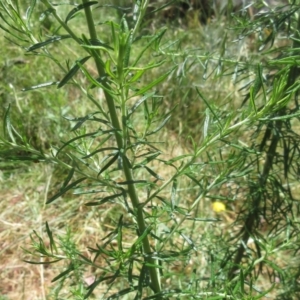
point(218, 177)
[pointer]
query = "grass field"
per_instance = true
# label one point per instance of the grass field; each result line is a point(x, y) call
point(198, 219)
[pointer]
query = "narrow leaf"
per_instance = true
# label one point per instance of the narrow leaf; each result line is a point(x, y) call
point(258, 84)
point(103, 200)
point(120, 235)
point(99, 82)
point(206, 123)
point(79, 7)
point(131, 182)
point(140, 101)
point(81, 122)
point(67, 188)
point(64, 273)
point(91, 287)
point(136, 76)
point(203, 219)
point(69, 177)
point(180, 157)
point(114, 158)
point(7, 127)
point(160, 126)
point(99, 150)
point(108, 70)
point(47, 42)
point(173, 194)
point(90, 117)
point(141, 282)
point(242, 281)
point(138, 242)
point(130, 273)
point(189, 241)
point(210, 108)
point(42, 262)
point(29, 12)
point(16, 28)
point(252, 99)
point(127, 50)
point(42, 85)
point(153, 83)
point(72, 71)
point(50, 236)
point(74, 139)
point(127, 162)
point(286, 150)
point(155, 39)
point(98, 43)
point(150, 155)
point(153, 173)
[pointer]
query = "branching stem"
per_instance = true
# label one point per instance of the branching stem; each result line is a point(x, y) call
point(126, 168)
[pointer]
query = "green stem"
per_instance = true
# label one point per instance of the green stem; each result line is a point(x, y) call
point(126, 167)
point(144, 5)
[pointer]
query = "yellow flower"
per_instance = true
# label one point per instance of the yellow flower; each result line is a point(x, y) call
point(218, 206)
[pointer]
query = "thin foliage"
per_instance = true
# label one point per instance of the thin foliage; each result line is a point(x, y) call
point(161, 240)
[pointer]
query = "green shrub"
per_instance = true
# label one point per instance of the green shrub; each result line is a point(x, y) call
point(123, 87)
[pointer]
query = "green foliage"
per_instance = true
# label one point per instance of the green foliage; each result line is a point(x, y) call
point(162, 243)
